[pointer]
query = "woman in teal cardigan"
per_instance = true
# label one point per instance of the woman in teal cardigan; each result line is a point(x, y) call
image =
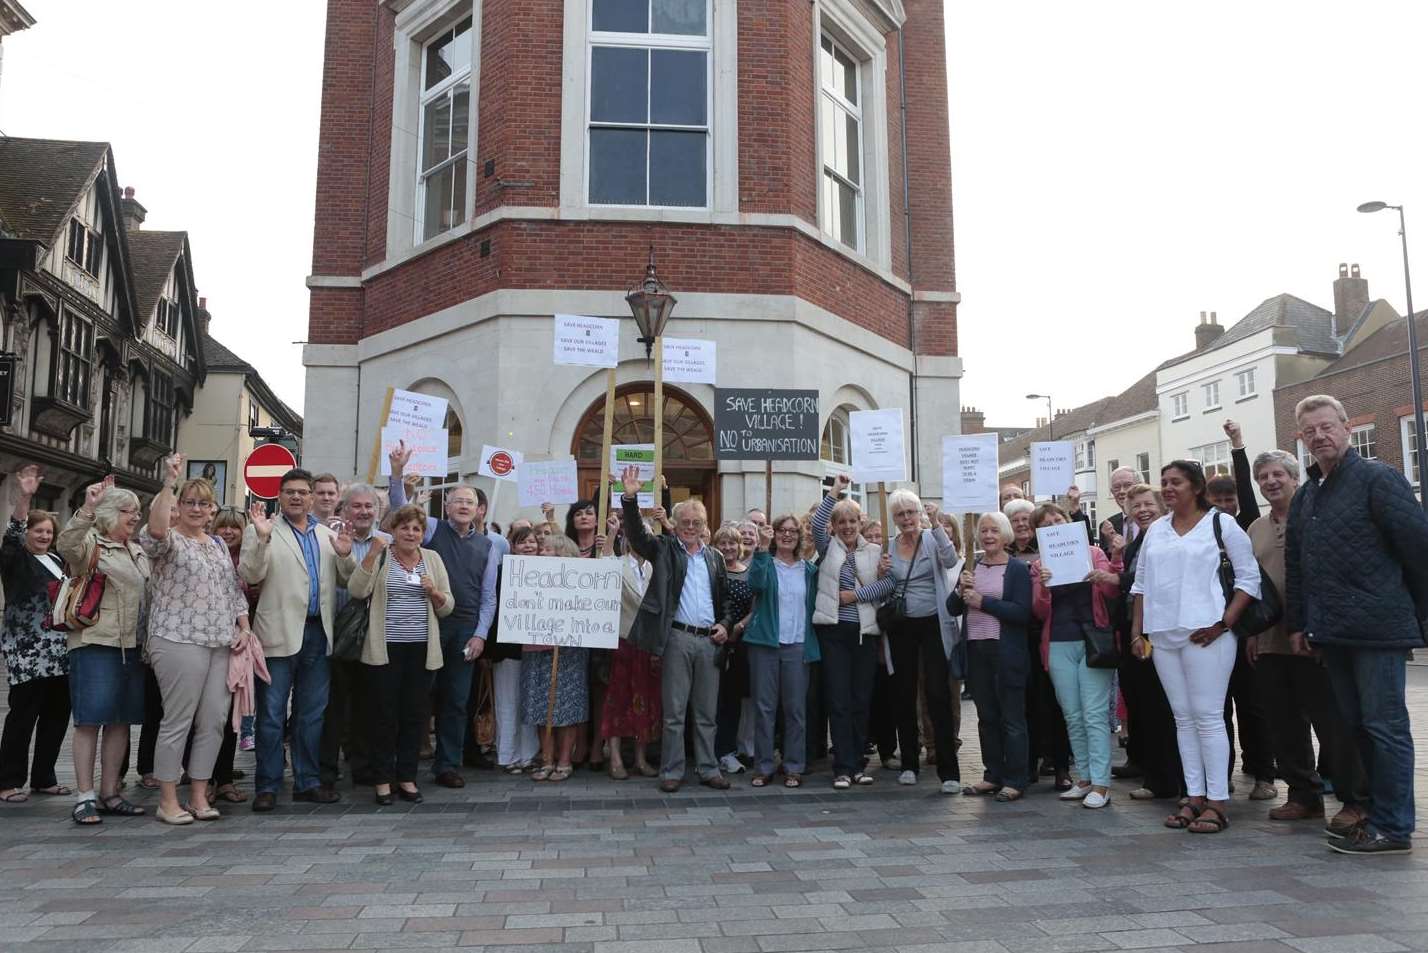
point(781, 645)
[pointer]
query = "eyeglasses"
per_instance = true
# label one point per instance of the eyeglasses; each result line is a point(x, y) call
point(194, 504)
point(787, 531)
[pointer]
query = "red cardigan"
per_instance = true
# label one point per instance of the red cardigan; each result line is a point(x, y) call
point(1101, 596)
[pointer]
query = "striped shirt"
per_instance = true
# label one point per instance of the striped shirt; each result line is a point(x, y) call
point(406, 604)
point(847, 573)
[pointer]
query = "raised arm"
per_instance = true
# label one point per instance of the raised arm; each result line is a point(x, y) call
point(253, 556)
point(27, 484)
point(75, 544)
point(163, 504)
point(1244, 479)
point(640, 541)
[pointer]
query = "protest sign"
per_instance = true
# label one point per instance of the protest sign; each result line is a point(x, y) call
point(690, 360)
point(428, 449)
point(760, 424)
point(638, 455)
point(547, 481)
point(499, 463)
point(1065, 551)
point(878, 452)
point(969, 473)
point(415, 411)
point(1053, 467)
point(559, 601)
point(587, 341)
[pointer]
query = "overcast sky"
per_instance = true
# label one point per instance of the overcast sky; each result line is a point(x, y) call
point(1116, 165)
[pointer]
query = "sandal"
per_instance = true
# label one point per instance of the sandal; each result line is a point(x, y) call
point(149, 782)
point(562, 773)
point(1181, 820)
point(793, 780)
point(515, 770)
point(981, 789)
point(230, 793)
point(1213, 825)
point(54, 790)
point(863, 779)
point(115, 806)
point(85, 813)
point(842, 783)
point(1007, 795)
point(647, 770)
point(14, 796)
point(542, 773)
point(759, 781)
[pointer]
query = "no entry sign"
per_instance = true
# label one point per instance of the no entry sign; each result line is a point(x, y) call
point(263, 470)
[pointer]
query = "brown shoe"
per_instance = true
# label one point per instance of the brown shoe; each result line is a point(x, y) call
point(322, 794)
point(450, 779)
point(1349, 817)
point(670, 785)
point(263, 803)
point(1294, 811)
point(718, 782)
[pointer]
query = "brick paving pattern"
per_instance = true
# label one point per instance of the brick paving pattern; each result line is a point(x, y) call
point(595, 866)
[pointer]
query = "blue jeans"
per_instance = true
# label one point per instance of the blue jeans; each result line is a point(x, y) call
point(1369, 687)
point(1083, 694)
point(453, 689)
point(305, 677)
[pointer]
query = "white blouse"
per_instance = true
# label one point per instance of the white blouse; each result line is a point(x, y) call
point(1179, 578)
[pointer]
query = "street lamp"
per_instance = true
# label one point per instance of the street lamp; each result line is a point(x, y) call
point(651, 303)
point(1412, 349)
point(1050, 414)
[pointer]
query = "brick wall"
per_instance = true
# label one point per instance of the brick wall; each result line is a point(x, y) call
point(343, 160)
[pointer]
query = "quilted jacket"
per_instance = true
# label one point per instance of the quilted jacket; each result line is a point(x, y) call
point(1356, 558)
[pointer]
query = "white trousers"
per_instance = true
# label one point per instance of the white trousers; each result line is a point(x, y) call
point(515, 743)
point(1195, 679)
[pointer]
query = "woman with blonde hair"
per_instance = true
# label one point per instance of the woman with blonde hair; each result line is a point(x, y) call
point(106, 675)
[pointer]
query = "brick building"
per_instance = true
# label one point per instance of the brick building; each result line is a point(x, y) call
point(484, 167)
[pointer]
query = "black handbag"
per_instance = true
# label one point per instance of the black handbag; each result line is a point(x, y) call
point(349, 629)
point(1101, 650)
point(1262, 613)
point(894, 609)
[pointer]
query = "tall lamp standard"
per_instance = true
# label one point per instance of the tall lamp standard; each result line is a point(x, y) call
point(1050, 414)
point(651, 303)
point(1412, 349)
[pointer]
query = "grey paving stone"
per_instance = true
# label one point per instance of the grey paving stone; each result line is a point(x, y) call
point(1354, 943)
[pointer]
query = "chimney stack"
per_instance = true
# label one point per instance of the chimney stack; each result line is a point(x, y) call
point(204, 317)
point(973, 420)
point(131, 211)
point(1207, 331)
point(1350, 298)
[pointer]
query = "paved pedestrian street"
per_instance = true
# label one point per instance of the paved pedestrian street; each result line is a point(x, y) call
point(604, 867)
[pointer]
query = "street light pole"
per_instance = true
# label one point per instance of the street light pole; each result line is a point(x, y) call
point(1050, 414)
point(651, 304)
point(1413, 368)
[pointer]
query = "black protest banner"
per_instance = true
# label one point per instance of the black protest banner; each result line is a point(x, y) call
point(764, 424)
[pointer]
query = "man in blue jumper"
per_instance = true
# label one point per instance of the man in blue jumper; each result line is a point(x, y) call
point(1357, 594)
point(473, 561)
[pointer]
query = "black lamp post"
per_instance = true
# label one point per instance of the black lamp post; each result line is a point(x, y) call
point(1050, 414)
point(651, 303)
point(1413, 371)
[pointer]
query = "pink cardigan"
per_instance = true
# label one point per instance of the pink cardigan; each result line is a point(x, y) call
point(1101, 596)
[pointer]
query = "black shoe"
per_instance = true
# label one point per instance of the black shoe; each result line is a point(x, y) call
point(413, 797)
point(1126, 770)
point(265, 802)
point(1365, 842)
point(318, 795)
point(385, 800)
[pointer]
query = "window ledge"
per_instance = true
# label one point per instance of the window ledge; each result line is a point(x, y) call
point(57, 418)
point(1211, 410)
point(1176, 420)
point(1241, 400)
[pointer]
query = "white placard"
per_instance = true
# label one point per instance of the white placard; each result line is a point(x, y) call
point(428, 449)
point(416, 411)
point(1065, 551)
point(969, 473)
point(1053, 467)
point(547, 481)
point(690, 360)
point(550, 600)
point(500, 463)
point(878, 452)
point(633, 454)
point(587, 341)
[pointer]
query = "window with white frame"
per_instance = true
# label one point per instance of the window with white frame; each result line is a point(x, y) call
point(649, 103)
point(1085, 455)
point(85, 247)
point(1244, 382)
point(1142, 467)
point(1364, 440)
point(1408, 438)
point(445, 120)
point(1212, 395)
point(836, 450)
point(1213, 457)
point(1179, 405)
point(841, 129)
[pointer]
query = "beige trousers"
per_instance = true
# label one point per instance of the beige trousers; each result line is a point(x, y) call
point(193, 682)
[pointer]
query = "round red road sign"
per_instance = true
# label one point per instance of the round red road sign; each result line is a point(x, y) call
point(501, 463)
point(263, 470)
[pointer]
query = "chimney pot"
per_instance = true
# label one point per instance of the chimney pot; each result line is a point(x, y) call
point(1214, 317)
point(1351, 297)
point(1354, 270)
point(1344, 270)
point(203, 303)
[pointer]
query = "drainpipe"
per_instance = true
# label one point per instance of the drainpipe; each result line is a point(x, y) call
point(907, 228)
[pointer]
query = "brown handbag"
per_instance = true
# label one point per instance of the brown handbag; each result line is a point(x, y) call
point(75, 600)
point(485, 718)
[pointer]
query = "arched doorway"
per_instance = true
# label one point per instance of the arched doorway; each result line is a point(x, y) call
point(689, 465)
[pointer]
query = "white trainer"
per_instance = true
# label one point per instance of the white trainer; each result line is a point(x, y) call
point(730, 764)
point(907, 777)
point(1096, 800)
point(1076, 793)
point(951, 787)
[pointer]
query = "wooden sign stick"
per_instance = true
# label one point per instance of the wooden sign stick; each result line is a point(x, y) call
point(375, 463)
point(550, 702)
point(603, 493)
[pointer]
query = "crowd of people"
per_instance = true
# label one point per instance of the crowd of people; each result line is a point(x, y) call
point(763, 645)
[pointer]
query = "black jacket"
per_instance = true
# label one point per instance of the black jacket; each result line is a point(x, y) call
point(1013, 611)
point(668, 560)
point(1356, 558)
point(1124, 615)
point(1244, 489)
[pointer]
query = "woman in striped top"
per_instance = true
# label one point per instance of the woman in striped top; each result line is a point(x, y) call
point(409, 588)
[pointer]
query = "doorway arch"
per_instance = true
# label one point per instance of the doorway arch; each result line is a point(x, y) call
point(689, 464)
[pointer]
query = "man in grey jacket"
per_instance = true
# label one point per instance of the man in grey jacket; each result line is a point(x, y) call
point(685, 619)
point(1356, 593)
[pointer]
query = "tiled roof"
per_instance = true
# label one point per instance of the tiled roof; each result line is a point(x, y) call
point(1135, 399)
point(152, 255)
point(1313, 326)
point(40, 182)
point(218, 357)
point(1391, 340)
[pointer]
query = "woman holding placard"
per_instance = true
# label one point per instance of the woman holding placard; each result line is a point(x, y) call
point(566, 707)
point(1181, 612)
point(632, 700)
point(1072, 614)
point(409, 589)
point(516, 742)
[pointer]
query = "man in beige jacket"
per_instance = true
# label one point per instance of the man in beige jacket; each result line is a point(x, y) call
point(300, 563)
